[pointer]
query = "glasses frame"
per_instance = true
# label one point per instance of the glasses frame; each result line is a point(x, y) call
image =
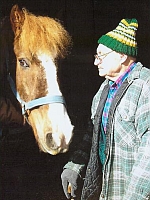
point(100, 57)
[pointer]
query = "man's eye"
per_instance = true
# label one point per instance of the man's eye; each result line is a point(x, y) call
point(23, 63)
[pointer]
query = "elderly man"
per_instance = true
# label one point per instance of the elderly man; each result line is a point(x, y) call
point(118, 163)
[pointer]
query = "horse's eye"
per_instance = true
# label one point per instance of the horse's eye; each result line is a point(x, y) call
point(23, 63)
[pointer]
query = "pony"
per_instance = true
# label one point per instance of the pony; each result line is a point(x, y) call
point(30, 49)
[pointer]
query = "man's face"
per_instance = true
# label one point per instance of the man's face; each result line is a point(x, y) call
point(108, 62)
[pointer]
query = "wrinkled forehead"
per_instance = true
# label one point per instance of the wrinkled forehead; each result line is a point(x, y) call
point(101, 49)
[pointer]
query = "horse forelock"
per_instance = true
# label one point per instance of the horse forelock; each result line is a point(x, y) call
point(44, 34)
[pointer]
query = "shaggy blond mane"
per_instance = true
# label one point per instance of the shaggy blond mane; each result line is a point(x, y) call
point(44, 34)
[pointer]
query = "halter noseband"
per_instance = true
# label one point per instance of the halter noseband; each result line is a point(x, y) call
point(35, 102)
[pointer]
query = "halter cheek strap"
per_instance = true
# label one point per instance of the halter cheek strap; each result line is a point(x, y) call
point(35, 102)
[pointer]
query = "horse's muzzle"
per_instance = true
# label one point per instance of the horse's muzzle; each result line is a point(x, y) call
point(54, 147)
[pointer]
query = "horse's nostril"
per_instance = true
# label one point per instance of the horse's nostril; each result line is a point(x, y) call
point(49, 137)
point(50, 142)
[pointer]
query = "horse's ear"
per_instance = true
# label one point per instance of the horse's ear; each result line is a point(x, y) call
point(17, 19)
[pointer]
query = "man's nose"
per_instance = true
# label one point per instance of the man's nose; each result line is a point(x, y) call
point(97, 61)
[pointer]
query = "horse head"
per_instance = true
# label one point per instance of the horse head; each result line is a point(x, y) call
point(38, 42)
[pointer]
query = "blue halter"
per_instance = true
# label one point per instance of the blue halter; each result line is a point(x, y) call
point(35, 102)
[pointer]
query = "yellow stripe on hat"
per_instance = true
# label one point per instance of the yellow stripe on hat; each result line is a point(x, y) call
point(131, 24)
point(122, 39)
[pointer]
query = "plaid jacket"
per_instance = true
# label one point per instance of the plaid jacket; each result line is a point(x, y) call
point(126, 172)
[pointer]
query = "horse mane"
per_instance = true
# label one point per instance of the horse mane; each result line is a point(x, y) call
point(44, 33)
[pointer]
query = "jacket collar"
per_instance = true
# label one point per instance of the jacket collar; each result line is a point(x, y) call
point(135, 73)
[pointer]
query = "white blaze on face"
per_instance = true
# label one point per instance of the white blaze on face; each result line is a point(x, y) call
point(61, 126)
point(51, 74)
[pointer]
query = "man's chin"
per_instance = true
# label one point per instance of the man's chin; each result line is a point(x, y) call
point(101, 74)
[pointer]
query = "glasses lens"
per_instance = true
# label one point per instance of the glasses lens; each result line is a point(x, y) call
point(101, 56)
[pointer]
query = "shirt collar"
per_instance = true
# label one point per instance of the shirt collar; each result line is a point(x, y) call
point(122, 77)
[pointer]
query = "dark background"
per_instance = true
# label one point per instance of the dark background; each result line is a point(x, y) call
point(27, 173)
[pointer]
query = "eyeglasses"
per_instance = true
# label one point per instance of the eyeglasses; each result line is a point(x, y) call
point(100, 57)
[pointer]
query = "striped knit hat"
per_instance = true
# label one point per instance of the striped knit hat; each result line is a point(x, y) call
point(122, 39)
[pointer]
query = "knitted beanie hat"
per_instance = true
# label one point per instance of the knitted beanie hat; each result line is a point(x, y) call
point(122, 39)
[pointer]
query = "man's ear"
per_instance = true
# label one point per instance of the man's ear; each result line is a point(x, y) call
point(123, 58)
